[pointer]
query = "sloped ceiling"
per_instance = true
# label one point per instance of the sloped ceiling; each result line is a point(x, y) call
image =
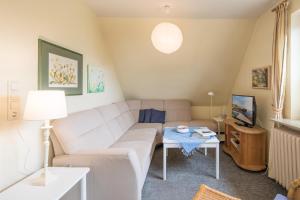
point(181, 8)
point(208, 60)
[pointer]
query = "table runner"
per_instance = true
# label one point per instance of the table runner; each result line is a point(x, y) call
point(189, 141)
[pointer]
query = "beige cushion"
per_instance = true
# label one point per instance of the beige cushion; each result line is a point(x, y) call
point(134, 107)
point(145, 134)
point(56, 145)
point(212, 125)
point(176, 123)
point(109, 111)
point(178, 110)
point(122, 106)
point(85, 130)
point(157, 126)
point(155, 104)
point(126, 119)
point(110, 114)
point(142, 149)
point(115, 173)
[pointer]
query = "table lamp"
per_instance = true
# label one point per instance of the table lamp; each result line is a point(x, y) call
point(211, 94)
point(45, 105)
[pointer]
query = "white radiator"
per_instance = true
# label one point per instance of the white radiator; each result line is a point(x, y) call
point(284, 155)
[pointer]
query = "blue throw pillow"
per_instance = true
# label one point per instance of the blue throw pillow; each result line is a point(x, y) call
point(158, 116)
point(142, 116)
point(148, 115)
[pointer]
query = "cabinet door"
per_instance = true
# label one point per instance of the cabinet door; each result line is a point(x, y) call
point(255, 152)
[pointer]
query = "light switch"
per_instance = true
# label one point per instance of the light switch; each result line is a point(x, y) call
point(13, 100)
point(3, 100)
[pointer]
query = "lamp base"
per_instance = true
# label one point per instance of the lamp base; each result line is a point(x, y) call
point(44, 179)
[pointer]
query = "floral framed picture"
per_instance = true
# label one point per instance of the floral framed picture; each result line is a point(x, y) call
point(261, 78)
point(95, 80)
point(59, 69)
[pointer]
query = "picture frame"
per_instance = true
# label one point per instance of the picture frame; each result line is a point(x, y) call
point(95, 80)
point(59, 68)
point(261, 78)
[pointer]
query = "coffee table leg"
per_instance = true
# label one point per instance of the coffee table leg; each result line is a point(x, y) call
point(217, 161)
point(164, 163)
point(205, 151)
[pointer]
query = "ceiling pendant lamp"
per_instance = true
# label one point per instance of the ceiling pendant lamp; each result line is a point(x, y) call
point(166, 37)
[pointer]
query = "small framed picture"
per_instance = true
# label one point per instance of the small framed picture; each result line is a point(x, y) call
point(95, 80)
point(59, 69)
point(261, 78)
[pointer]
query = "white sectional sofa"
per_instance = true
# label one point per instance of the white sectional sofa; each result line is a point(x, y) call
point(118, 150)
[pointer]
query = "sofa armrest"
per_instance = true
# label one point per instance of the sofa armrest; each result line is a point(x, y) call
point(114, 173)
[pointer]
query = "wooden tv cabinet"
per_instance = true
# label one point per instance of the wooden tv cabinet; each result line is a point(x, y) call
point(247, 146)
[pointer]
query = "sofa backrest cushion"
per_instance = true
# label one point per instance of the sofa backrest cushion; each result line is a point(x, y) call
point(152, 103)
point(125, 119)
point(177, 110)
point(110, 114)
point(134, 107)
point(83, 131)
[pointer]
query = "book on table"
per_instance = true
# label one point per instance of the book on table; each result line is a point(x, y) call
point(205, 132)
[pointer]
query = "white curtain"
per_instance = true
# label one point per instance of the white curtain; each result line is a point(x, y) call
point(279, 58)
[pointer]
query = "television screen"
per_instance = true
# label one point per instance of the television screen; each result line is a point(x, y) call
point(244, 109)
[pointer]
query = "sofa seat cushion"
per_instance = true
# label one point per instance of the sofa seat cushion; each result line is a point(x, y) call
point(157, 126)
point(212, 125)
point(176, 123)
point(143, 134)
point(142, 149)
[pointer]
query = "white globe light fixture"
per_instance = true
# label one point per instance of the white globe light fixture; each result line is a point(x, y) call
point(167, 37)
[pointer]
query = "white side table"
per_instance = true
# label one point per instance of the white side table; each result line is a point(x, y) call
point(67, 177)
point(219, 120)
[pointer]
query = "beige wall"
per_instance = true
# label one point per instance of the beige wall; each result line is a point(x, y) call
point(203, 112)
point(259, 53)
point(69, 23)
point(208, 60)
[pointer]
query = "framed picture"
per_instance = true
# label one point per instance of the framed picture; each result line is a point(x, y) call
point(59, 69)
point(95, 80)
point(261, 78)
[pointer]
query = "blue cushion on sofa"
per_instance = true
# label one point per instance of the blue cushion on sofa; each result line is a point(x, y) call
point(145, 116)
point(148, 114)
point(141, 116)
point(152, 116)
point(158, 116)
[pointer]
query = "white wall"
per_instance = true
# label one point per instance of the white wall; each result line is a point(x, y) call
point(69, 23)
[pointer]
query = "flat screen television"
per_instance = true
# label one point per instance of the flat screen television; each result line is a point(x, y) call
point(244, 110)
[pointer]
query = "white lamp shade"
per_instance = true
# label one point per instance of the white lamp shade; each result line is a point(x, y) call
point(45, 105)
point(166, 37)
point(211, 93)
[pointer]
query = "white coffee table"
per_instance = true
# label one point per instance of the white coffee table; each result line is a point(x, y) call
point(209, 143)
